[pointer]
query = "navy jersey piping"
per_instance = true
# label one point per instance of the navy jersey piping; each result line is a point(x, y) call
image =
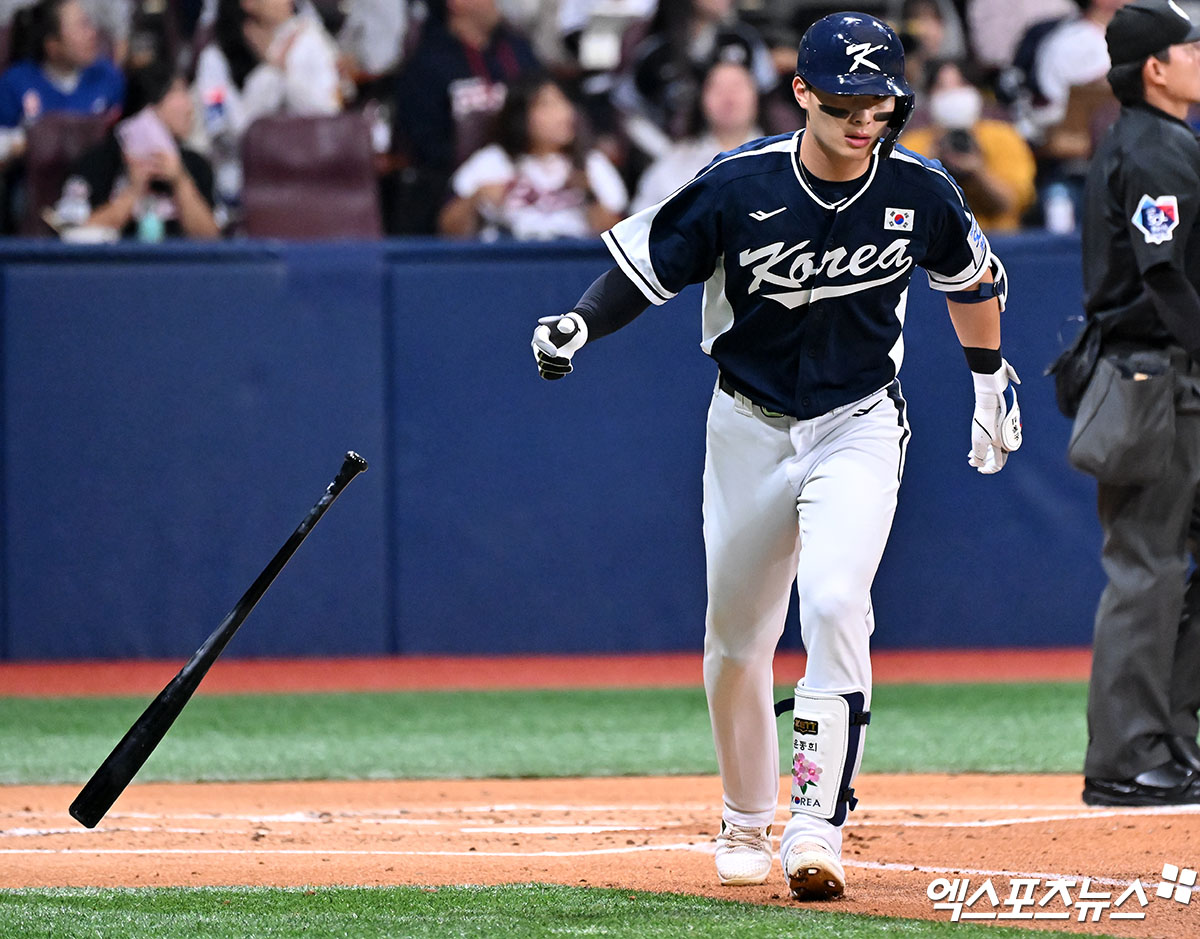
point(897, 395)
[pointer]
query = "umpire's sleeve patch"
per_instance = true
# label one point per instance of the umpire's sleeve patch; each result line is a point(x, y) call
point(1157, 218)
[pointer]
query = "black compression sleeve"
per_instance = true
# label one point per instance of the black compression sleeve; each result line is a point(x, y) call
point(611, 302)
point(1177, 305)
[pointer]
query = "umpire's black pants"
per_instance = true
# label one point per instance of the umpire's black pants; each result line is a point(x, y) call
point(1145, 681)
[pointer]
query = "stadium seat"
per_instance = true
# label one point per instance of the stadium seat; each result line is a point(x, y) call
point(6, 50)
point(310, 178)
point(53, 144)
point(1091, 108)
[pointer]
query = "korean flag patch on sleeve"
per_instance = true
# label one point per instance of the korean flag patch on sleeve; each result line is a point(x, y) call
point(898, 219)
point(1157, 218)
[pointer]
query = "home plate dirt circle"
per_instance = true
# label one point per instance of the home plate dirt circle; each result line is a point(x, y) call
point(632, 833)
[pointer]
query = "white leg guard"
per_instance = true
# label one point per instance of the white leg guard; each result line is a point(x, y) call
point(828, 728)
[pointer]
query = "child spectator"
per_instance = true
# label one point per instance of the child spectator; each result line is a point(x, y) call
point(140, 180)
point(989, 159)
point(60, 70)
point(726, 118)
point(539, 180)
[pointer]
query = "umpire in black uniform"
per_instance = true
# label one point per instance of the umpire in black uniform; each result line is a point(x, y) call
point(1141, 272)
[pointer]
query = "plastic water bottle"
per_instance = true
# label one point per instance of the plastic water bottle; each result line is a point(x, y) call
point(381, 126)
point(1059, 209)
point(227, 168)
point(150, 228)
point(215, 121)
point(73, 208)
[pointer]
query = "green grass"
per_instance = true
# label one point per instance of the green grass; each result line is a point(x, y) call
point(997, 728)
point(430, 735)
point(530, 910)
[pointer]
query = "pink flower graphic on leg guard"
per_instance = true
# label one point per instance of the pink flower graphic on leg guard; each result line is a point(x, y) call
point(805, 772)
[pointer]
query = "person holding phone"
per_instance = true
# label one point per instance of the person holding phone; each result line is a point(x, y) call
point(140, 180)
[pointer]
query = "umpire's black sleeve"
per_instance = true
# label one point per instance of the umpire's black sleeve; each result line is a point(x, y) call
point(1177, 305)
point(612, 301)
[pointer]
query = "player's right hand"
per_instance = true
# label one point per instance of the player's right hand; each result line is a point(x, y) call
point(555, 340)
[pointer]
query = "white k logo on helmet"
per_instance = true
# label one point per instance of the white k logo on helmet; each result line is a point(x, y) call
point(860, 51)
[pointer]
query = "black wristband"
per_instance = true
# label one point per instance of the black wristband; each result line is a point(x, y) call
point(983, 361)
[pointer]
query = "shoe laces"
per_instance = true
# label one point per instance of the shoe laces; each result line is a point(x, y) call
point(739, 836)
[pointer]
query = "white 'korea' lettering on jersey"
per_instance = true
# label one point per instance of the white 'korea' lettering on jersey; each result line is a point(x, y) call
point(794, 268)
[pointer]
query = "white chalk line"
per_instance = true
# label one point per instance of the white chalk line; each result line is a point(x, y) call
point(553, 829)
point(353, 852)
point(275, 832)
point(1024, 820)
point(40, 832)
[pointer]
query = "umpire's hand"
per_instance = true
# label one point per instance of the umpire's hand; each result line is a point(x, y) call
point(555, 340)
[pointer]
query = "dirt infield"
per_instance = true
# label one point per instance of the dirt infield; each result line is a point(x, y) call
point(646, 834)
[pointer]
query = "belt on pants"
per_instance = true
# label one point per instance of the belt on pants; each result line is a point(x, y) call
point(724, 384)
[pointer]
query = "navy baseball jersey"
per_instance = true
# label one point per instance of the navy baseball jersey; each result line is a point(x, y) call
point(805, 287)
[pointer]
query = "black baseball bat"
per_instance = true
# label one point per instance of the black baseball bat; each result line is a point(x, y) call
point(127, 757)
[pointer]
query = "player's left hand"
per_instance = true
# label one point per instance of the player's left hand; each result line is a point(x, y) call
point(995, 425)
point(555, 340)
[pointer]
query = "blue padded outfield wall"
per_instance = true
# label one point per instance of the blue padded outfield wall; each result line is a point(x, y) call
point(170, 415)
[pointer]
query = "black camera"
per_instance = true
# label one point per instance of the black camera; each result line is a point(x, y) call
point(960, 141)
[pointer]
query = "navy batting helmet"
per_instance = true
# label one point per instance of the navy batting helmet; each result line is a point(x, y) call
point(857, 54)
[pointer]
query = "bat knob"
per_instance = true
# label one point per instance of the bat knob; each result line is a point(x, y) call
point(354, 461)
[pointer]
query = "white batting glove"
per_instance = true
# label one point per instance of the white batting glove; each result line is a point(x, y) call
point(555, 340)
point(995, 425)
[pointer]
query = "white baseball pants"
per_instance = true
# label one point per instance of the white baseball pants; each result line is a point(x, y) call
point(785, 500)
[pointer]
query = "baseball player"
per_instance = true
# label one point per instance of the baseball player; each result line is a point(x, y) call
point(806, 244)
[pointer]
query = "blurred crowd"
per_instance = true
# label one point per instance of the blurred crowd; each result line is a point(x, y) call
point(526, 119)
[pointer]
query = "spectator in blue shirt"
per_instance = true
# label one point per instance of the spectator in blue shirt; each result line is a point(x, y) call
point(60, 71)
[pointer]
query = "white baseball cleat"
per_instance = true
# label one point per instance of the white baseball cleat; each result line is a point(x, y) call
point(744, 855)
point(813, 872)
